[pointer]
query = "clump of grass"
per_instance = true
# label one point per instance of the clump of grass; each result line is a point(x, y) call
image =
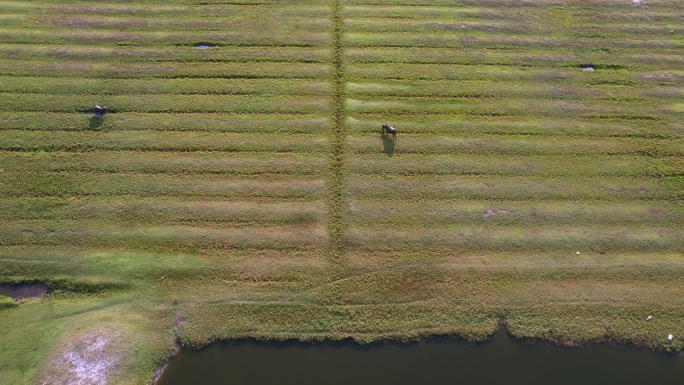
point(6, 302)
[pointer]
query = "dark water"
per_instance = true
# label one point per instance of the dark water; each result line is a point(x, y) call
point(440, 361)
point(24, 290)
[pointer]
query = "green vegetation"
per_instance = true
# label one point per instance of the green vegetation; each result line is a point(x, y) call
point(245, 191)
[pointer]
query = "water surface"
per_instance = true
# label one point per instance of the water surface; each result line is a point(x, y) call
point(24, 290)
point(436, 361)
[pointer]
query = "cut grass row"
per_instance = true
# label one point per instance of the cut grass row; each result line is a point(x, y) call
point(553, 239)
point(551, 166)
point(488, 213)
point(514, 107)
point(475, 25)
point(278, 20)
point(527, 59)
point(655, 59)
point(312, 163)
point(560, 19)
point(84, 69)
point(295, 35)
point(457, 237)
point(168, 54)
point(520, 126)
point(88, 140)
point(100, 87)
point(513, 90)
point(129, 264)
point(465, 127)
point(443, 143)
point(286, 104)
point(501, 41)
point(501, 188)
point(166, 210)
point(441, 72)
point(522, 6)
point(366, 212)
point(397, 89)
point(163, 9)
point(288, 38)
point(262, 123)
point(163, 237)
point(233, 163)
point(152, 185)
point(461, 187)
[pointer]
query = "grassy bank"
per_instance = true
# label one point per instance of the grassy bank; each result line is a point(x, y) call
point(245, 191)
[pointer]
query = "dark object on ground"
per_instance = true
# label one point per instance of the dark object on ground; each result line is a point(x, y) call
point(386, 128)
point(100, 111)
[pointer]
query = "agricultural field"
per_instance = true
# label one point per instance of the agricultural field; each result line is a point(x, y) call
point(245, 190)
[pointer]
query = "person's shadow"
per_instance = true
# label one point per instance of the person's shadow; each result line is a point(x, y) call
point(95, 122)
point(388, 143)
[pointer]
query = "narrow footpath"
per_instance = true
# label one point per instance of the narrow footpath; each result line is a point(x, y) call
point(337, 225)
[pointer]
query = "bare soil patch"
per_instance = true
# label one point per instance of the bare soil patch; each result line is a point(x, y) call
point(90, 358)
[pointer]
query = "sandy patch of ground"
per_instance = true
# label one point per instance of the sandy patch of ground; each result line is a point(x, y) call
point(87, 359)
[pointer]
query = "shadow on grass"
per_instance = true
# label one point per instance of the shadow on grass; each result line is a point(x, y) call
point(388, 143)
point(95, 122)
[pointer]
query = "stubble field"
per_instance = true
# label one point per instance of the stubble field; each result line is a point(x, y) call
point(245, 190)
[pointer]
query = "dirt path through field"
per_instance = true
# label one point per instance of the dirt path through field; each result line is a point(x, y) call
point(337, 201)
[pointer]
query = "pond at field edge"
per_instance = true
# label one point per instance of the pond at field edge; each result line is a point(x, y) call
point(432, 361)
point(24, 290)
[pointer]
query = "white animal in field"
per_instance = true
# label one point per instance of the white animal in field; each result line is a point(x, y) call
point(386, 128)
point(100, 111)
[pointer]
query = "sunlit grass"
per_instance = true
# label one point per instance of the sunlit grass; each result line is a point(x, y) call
point(244, 190)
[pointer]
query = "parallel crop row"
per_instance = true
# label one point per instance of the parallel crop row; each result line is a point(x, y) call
point(218, 148)
point(505, 143)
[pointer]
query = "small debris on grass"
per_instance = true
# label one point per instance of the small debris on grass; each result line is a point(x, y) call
point(491, 212)
point(670, 337)
point(578, 253)
point(649, 318)
point(588, 68)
